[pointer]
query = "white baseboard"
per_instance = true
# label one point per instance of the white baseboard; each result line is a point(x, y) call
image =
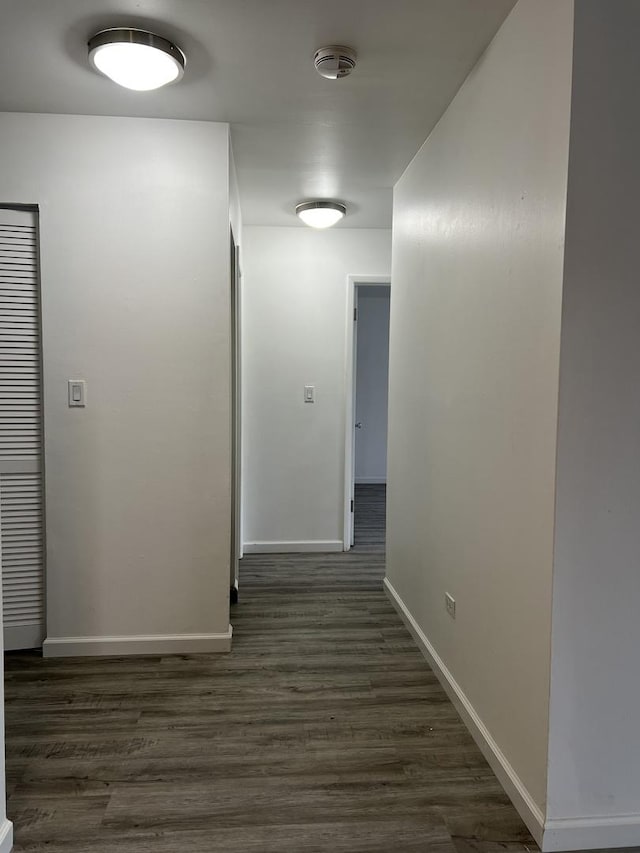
point(160, 644)
point(6, 836)
point(507, 776)
point(289, 547)
point(593, 833)
point(370, 480)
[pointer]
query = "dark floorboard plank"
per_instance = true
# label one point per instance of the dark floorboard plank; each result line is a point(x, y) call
point(403, 836)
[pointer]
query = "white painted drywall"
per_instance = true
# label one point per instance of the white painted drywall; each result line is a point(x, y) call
point(474, 353)
point(294, 334)
point(235, 220)
point(134, 218)
point(235, 210)
point(594, 749)
point(372, 383)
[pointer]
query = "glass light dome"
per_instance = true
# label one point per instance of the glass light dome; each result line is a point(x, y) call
point(321, 214)
point(136, 59)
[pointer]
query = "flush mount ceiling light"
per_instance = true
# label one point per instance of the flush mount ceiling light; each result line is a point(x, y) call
point(136, 59)
point(321, 214)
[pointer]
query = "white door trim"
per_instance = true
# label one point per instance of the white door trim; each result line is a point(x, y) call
point(236, 406)
point(349, 423)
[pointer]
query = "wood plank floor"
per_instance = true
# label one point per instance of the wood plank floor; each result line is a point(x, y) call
point(323, 731)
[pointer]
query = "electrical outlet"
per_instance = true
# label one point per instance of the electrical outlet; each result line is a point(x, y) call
point(450, 604)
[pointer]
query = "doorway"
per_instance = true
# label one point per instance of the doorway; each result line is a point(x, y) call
point(21, 431)
point(236, 432)
point(367, 409)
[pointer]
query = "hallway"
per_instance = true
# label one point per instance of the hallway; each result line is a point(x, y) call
point(323, 730)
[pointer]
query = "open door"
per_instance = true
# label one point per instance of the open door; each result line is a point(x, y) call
point(356, 425)
point(360, 416)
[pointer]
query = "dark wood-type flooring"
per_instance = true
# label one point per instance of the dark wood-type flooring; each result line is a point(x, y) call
point(323, 731)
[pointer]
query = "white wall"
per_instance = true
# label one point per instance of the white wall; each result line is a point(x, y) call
point(594, 750)
point(235, 211)
point(235, 221)
point(475, 329)
point(294, 334)
point(134, 219)
point(372, 383)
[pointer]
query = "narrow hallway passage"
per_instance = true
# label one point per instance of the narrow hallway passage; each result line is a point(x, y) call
point(324, 730)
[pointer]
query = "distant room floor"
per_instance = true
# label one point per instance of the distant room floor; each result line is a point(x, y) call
point(370, 507)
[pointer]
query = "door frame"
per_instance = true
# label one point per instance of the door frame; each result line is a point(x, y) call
point(236, 414)
point(24, 636)
point(353, 281)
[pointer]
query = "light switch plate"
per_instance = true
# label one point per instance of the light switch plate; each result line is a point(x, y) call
point(77, 393)
point(450, 604)
point(309, 393)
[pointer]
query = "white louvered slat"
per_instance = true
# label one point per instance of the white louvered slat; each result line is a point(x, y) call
point(21, 493)
point(22, 552)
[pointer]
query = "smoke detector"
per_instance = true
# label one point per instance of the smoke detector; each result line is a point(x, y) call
point(335, 61)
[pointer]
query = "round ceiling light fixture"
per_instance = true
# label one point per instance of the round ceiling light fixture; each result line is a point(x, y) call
point(335, 61)
point(320, 214)
point(136, 59)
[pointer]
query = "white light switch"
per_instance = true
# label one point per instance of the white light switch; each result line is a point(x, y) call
point(309, 393)
point(77, 393)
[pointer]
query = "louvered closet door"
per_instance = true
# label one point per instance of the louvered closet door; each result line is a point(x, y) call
point(21, 494)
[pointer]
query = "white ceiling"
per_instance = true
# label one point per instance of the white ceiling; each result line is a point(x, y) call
point(249, 62)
